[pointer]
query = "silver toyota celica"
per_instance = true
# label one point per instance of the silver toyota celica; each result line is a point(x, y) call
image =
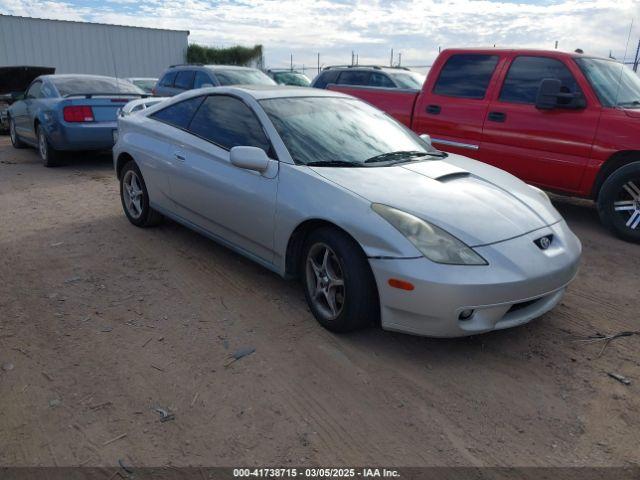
point(377, 224)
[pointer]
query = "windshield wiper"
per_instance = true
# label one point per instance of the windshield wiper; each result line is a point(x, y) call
point(332, 163)
point(403, 156)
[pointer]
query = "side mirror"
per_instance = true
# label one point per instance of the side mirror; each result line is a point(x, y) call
point(551, 96)
point(548, 91)
point(249, 158)
point(426, 138)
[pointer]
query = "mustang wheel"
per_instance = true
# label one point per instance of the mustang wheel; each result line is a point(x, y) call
point(619, 202)
point(49, 156)
point(135, 198)
point(15, 139)
point(339, 285)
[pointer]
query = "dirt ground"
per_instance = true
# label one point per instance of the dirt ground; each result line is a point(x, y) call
point(100, 322)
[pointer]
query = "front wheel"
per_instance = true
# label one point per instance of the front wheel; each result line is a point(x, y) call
point(135, 197)
point(15, 139)
point(619, 202)
point(339, 285)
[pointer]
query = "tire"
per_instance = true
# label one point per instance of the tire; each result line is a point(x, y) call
point(15, 139)
point(355, 301)
point(49, 156)
point(135, 198)
point(619, 202)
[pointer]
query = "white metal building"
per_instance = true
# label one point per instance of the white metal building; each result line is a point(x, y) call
point(79, 47)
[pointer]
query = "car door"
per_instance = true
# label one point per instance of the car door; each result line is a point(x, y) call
point(24, 111)
point(550, 148)
point(234, 204)
point(452, 107)
point(183, 81)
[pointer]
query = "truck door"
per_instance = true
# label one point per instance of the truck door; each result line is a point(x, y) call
point(453, 104)
point(550, 148)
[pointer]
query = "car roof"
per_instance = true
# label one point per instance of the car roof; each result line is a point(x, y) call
point(263, 92)
point(375, 68)
point(63, 76)
point(522, 51)
point(189, 66)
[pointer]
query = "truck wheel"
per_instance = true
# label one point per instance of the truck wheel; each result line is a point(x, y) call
point(49, 156)
point(338, 282)
point(619, 202)
point(15, 139)
point(135, 197)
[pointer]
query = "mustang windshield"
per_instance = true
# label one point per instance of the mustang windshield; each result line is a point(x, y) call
point(342, 132)
point(615, 84)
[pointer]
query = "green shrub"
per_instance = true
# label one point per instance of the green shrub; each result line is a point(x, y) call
point(223, 56)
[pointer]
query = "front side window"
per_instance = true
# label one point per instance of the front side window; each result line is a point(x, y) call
point(202, 80)
point(525, 75)
point(179, 114)
point(466, 76)
point(243, 77)
point(228, 122)
point(345, 130)
point(380, 80)
point(354, 78)
point(410, 80)
point(616, 85)
point(34, 90)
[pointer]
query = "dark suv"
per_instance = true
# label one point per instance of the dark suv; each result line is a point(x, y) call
point(179, 78)
point(369, 76)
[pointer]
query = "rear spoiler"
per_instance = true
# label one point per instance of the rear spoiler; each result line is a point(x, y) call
point(110, 94)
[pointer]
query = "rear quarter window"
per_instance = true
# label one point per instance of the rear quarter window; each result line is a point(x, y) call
point(353, 78)
point(167, 80)
point(326, 78)
point(466, 76)
point(179, 114)
point(184, 79)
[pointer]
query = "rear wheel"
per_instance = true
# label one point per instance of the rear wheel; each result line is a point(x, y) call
point(15, 139)
point(339, 285)
point(135, 198)
point(49, 156)
point(619, 202)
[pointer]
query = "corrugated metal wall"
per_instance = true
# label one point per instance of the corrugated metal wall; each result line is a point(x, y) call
point(76, 47)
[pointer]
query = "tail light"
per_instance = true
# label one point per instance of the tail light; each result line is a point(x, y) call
point(78, 113)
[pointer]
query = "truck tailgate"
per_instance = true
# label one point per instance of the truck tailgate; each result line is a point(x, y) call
point(395, 101)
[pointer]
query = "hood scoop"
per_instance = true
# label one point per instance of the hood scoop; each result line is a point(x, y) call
point(437, 170)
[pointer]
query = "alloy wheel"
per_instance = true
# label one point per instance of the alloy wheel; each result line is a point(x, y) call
point(42, 145)
point(325, 281)
point(132, 193)
point(627, 204)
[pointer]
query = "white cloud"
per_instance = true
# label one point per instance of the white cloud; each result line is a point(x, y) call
point(371, 28)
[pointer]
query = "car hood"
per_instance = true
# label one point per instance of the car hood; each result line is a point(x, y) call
point(17, 79)
point(473, 201)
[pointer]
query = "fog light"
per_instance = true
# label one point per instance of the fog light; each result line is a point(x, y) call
point(465, 314)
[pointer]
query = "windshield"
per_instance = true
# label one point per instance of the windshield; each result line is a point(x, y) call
point(291, 78)
point(79, 85)
point(340, 130)
point(145, 84)
point(615, 84)
point(408, 79)
point(243, 77)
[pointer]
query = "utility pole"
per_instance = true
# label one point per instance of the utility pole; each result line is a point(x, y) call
point(637, 60)
point(556, 44)
point(391, 59)
point(400, 59)
point(292, 62)
point(318, 63)
point(357, 59)
point(352, 57)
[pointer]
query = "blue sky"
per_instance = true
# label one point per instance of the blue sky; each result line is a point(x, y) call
point(335, 28)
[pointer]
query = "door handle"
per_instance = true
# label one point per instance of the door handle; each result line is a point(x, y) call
point(433, 109)
point(497, 116)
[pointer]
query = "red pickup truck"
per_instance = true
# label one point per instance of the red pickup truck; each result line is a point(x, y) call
point(566, 122)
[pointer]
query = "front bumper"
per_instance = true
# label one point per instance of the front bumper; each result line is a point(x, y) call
point(520, 283)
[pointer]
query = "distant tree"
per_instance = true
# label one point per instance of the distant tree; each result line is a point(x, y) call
point(224, 56)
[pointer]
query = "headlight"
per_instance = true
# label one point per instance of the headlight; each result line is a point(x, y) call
point(433, 242)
